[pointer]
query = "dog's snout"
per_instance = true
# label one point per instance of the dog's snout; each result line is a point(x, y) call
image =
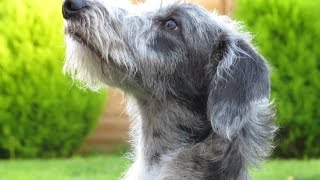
point(72, 7)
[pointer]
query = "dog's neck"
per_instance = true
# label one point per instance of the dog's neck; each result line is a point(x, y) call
point(161, 130)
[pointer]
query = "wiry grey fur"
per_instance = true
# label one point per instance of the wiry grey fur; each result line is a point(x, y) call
point(199, 94)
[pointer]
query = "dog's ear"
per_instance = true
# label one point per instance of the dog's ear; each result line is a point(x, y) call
point(239, 78)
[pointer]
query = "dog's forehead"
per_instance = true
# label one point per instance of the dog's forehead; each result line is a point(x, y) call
point(181, 10)
point(166, 8)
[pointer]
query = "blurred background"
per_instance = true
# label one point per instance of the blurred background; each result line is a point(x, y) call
point(46, 120)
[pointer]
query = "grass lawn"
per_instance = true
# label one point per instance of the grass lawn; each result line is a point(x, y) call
point(110, 167)
point(89, 168)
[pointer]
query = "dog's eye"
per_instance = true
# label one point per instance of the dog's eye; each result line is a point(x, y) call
point(171, 24)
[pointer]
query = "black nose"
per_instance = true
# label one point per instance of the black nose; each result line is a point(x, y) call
point(72, 7)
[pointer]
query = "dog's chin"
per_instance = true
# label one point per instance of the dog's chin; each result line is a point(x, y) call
point(86, 66)
point(83, 64)
point(78, 37)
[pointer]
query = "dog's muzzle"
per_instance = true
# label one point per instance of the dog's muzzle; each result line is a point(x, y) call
point(71, 8)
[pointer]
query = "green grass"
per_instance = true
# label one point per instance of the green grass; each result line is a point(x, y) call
point(288, 170)
point(78, 168)
point(110, 167)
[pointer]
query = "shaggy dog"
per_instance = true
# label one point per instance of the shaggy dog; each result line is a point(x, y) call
point(199, 91)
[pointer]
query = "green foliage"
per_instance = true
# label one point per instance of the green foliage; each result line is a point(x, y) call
point(41, 113)
point(288, 34)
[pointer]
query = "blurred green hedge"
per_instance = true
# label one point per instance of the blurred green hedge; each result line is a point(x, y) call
point(288, 34)
point(42, 114)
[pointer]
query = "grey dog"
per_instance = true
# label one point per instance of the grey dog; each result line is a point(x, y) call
point(198, 90)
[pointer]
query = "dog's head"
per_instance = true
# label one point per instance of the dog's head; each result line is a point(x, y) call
point(109, 45)
point(177, 52)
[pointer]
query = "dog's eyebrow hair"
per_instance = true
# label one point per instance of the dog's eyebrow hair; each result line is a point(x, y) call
point(163, 17)
point(173, 11)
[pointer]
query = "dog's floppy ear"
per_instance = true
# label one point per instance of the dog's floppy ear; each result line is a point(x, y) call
point(239, 77)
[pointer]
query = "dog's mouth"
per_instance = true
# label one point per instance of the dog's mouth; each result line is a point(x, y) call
point(78, 37)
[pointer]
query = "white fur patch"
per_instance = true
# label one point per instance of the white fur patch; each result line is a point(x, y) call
point(82, 64)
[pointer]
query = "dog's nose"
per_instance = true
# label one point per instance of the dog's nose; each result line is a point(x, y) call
point(72, 7)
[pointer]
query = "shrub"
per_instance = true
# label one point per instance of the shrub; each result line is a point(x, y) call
point(41, 113)
point(288, 33)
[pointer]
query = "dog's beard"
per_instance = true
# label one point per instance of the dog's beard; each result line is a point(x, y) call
point(82, 64)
